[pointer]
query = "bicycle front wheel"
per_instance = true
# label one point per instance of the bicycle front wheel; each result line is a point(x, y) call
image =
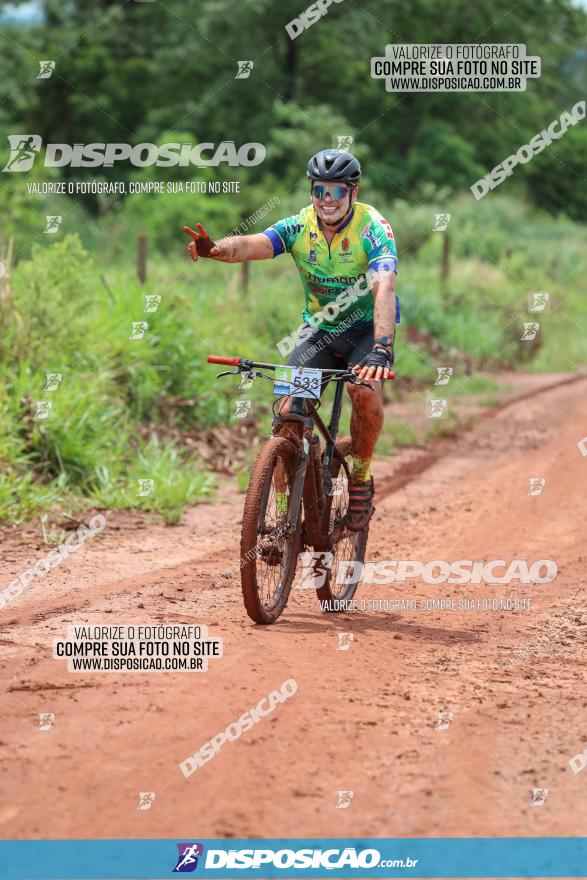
point(348, 547)
point(269, 544)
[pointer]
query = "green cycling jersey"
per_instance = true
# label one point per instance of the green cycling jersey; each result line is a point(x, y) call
point(364, 242)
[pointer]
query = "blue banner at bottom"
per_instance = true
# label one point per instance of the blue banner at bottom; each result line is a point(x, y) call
point(303, 858)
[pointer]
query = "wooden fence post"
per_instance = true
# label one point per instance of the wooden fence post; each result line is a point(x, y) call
point(142, 258)
point(445, 269)
point(245, 271)
point(5, 287)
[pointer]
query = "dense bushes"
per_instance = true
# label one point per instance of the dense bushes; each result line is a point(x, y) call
point(122, 403)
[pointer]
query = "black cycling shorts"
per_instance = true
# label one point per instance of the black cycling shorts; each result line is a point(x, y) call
point(327, 350)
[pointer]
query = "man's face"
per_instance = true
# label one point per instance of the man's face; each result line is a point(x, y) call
point(331, 200)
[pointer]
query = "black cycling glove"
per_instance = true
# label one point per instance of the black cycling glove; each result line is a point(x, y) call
point(379, 357)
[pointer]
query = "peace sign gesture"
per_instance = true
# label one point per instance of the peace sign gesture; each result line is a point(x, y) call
point(202, 245)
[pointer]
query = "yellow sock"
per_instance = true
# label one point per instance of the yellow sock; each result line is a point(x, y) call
point(361, 472)
point(281, 502)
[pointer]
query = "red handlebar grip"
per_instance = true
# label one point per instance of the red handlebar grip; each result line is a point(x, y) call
point(229, 362)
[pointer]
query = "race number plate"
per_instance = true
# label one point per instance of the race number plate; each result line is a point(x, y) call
point(298, 381)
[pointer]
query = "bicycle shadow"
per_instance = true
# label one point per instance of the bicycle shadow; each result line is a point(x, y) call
point(298, 622)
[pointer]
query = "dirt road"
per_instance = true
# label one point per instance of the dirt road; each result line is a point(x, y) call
point(364, 719)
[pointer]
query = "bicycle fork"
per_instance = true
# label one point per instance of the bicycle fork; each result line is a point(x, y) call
point(297, 489)
point(333, 431)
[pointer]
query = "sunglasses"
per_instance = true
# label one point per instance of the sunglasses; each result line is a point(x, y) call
point(336, 191)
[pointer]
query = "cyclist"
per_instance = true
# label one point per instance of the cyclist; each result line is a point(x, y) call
point(346, 257)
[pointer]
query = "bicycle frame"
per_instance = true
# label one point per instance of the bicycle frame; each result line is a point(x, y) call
point(314, 486)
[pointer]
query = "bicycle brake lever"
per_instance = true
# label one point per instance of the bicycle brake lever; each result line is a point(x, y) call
point(356, 381)
point(240, 369)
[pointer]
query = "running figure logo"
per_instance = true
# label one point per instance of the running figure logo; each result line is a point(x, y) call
point(244, 69)
point(243, 409)
point(46, 69)
point(443, 375)
point(437, 408)
point(441, 222)
point(344, 142)
point(344, 799)
point(145, 488)
point(52, 381)
point(344, 641)
point(537, 484)
point(187, 860)
point(138, 329)
point(538, 302)
point(530, 331)
point(53, 223)
point(146, 799)
point(539, 795)
point(23, 149)
point(41, 409)
point(315, 567)
point(46, 719)
point(444, 719)
point(152, 301)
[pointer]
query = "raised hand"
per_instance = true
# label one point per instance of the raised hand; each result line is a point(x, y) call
point(202, 245)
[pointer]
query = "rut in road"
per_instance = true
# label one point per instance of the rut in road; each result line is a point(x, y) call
point(363, 720)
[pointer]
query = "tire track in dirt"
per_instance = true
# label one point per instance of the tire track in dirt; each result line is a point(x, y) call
point(362, 720)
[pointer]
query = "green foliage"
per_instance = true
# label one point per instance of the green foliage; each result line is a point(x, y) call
point(176, 482)
point(394, 434)
point(157, 73)
point(555, 177)
point(119, 411)
point(140, 71)
point(61, 318)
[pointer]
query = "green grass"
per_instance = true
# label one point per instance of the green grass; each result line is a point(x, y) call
point(394, 434)
point(461, 385)
point(71, 312)
point(176, 481)
point(242, 478)
point(446, 426)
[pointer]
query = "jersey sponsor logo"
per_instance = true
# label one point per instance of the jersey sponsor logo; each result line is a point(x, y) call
point(387, 264)
point(387, 227)
point(370, 236)
point(312, 256)
point(313, 235)
point(342, 280)
point(294, 228)
point(345, 244)
point(320, 291)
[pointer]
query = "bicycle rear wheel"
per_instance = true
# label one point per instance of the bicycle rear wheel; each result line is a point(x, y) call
point(269, 545)
point(347, 546)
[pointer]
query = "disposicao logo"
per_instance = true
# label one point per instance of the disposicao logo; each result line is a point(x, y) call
point(187, 859)
point(24, 148)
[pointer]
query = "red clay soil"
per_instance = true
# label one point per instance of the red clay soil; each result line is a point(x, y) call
point(364, 719)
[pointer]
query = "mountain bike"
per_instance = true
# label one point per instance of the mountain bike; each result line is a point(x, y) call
point(297, 497)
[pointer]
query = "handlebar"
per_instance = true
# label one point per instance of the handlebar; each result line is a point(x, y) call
point(229, 362)
point(246, 365)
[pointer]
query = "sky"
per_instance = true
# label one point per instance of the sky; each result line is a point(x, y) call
point(30, 10)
